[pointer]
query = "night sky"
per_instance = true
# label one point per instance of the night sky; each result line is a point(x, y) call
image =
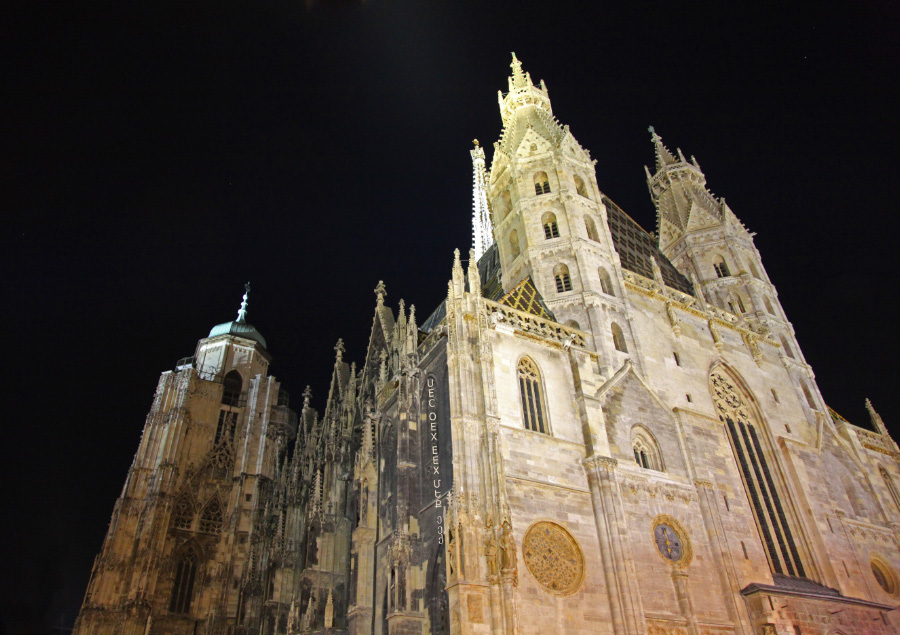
point(157, 155)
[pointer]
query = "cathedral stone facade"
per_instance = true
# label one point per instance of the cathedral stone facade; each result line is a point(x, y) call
point(600, 430)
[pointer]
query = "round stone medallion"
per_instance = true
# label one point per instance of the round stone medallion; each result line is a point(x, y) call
point(553, 558)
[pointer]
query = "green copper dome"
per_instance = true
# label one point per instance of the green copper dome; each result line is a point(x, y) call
point(239, 327)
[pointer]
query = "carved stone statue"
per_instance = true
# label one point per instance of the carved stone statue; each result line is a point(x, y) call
point(508, 548)
point(451, 552)
point(491, 551)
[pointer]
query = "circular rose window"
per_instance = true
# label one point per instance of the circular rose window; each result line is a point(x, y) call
point(553, 558)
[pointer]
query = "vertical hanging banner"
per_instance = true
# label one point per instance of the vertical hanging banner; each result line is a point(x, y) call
point(433, 468)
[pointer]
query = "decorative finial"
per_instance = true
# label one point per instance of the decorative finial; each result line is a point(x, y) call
point(518, 76)
point(307, 395)
point(380, 292)
point(242, 312)
point(339, 349)
point(475, 142)
point(652, 131)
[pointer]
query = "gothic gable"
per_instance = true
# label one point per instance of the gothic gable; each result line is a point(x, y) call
point(630, 406)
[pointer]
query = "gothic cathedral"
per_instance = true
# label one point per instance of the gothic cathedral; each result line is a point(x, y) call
point(599, 430)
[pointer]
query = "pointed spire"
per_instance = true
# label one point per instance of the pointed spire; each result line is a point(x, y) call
point(518, 77)
point(482, 229)
point(664, 157)
point(458, 278)
point(474, 275)
point(339, 351)
point(307, 395)
point(523, 93)
point(877, 421)
point(242, 312)
point(380, 293)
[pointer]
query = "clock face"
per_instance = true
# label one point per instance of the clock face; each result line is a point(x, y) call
point(668, 542)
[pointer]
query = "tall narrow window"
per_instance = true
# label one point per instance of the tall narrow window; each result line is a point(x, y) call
point(579, 186)
point(551, 228)
point(806, 393)
point(541, 183)
point(563, 281)
point(721, 267)
point(211, 519)
point(753, 271)
point(605, 282)
point(618, 338)
point(787, 347)
point(514, 243)
point(890, 485)
point(183, 587)
point(183, 512)
point(226, 426)
point(506, 206)
point(591, 227)
point(735, 410)
point(768, 303)
point(233, 383)
point(533, 411)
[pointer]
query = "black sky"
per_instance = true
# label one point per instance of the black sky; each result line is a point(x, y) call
point(157, 155)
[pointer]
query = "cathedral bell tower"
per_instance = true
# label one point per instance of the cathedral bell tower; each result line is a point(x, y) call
point(177, 557)
point(548, 216)
point(710, 246)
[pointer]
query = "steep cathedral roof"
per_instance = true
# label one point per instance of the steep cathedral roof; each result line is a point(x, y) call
point(637, 249)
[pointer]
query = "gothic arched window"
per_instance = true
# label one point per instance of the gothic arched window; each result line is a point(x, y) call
point(211, 518)
point(591, 229)
point(787, 347)
point(807, 394)
point(533, 410)
point(183, 513)
point(721, 267)
point(890, 485)
point(618, 338)
point(561, 275)
point(605, 282)
point(753, 270)
point(514, 243)
point(735, 409)
point(233, 383)
point(579, 186)
point(183, 587)
point(551, 229)
point(646, 451)
point(541, 183)
point(506, 198)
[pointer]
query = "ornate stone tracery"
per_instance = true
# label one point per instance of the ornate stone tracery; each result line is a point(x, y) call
point(553, 558)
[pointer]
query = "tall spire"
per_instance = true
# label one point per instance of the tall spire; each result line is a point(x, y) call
point(242, 312)
point(522, 92)
point(482, 230)
point(664, 157)
point(518, 77)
